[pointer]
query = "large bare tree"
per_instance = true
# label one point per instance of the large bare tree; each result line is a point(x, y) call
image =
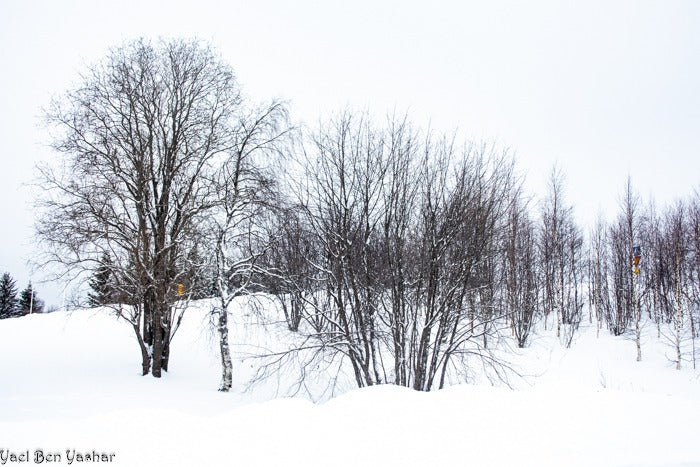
point(141, 137)
point(407, 231)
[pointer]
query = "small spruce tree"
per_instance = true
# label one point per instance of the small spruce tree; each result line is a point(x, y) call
point(8, 296)
point(102, 288)
point(29, 302)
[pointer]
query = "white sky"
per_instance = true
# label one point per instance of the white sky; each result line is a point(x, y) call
point(606, 88)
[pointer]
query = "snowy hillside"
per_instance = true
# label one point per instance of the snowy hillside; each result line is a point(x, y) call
point(70, 381)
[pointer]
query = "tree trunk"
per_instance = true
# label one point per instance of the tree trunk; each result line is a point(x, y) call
point(165, 358)
point(226, 365)
point(158, 341)
point(145, 356)
point(637, 317)
point(678, 315)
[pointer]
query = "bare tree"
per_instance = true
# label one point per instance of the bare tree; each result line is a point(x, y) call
point(400, 198)
point(295, 279)
point(464, 198)
point(678, 249)
point(598, 275)
point(561, 256)
point(624, 236)
point(141, 137)
point(655, 266)
point(237, 228)
point(520, 272)
point(670, 288)
point(346, 177)
point(409, 232)
point(694, 281)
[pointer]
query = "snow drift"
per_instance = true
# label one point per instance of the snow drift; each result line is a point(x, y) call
point(71, 386)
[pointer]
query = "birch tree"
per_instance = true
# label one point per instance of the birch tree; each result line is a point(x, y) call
point(237, 233)
point(520, 271)
point(624, 236)
point(674, 282)
point(409, 228)
point(598, 289)
point(561, 257)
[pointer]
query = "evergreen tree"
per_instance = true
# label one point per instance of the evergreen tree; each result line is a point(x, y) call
point(101, 283)
point(8, 296)
point(198, 278)
point(28, 302)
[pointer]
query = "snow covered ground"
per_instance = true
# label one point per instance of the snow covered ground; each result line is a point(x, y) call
point(71, 390)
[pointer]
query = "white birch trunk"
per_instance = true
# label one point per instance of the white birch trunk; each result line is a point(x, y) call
point(226, 365)
point(678, 317)
point(637, 329)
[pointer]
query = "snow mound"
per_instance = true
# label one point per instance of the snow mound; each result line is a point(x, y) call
point(71, 382)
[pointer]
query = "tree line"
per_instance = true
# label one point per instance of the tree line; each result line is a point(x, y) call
point(405, 253)
point(14, 305)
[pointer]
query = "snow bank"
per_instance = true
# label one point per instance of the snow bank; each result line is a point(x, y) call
point(70, 381)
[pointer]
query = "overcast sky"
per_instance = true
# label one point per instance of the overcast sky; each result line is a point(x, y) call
point(605, 89)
